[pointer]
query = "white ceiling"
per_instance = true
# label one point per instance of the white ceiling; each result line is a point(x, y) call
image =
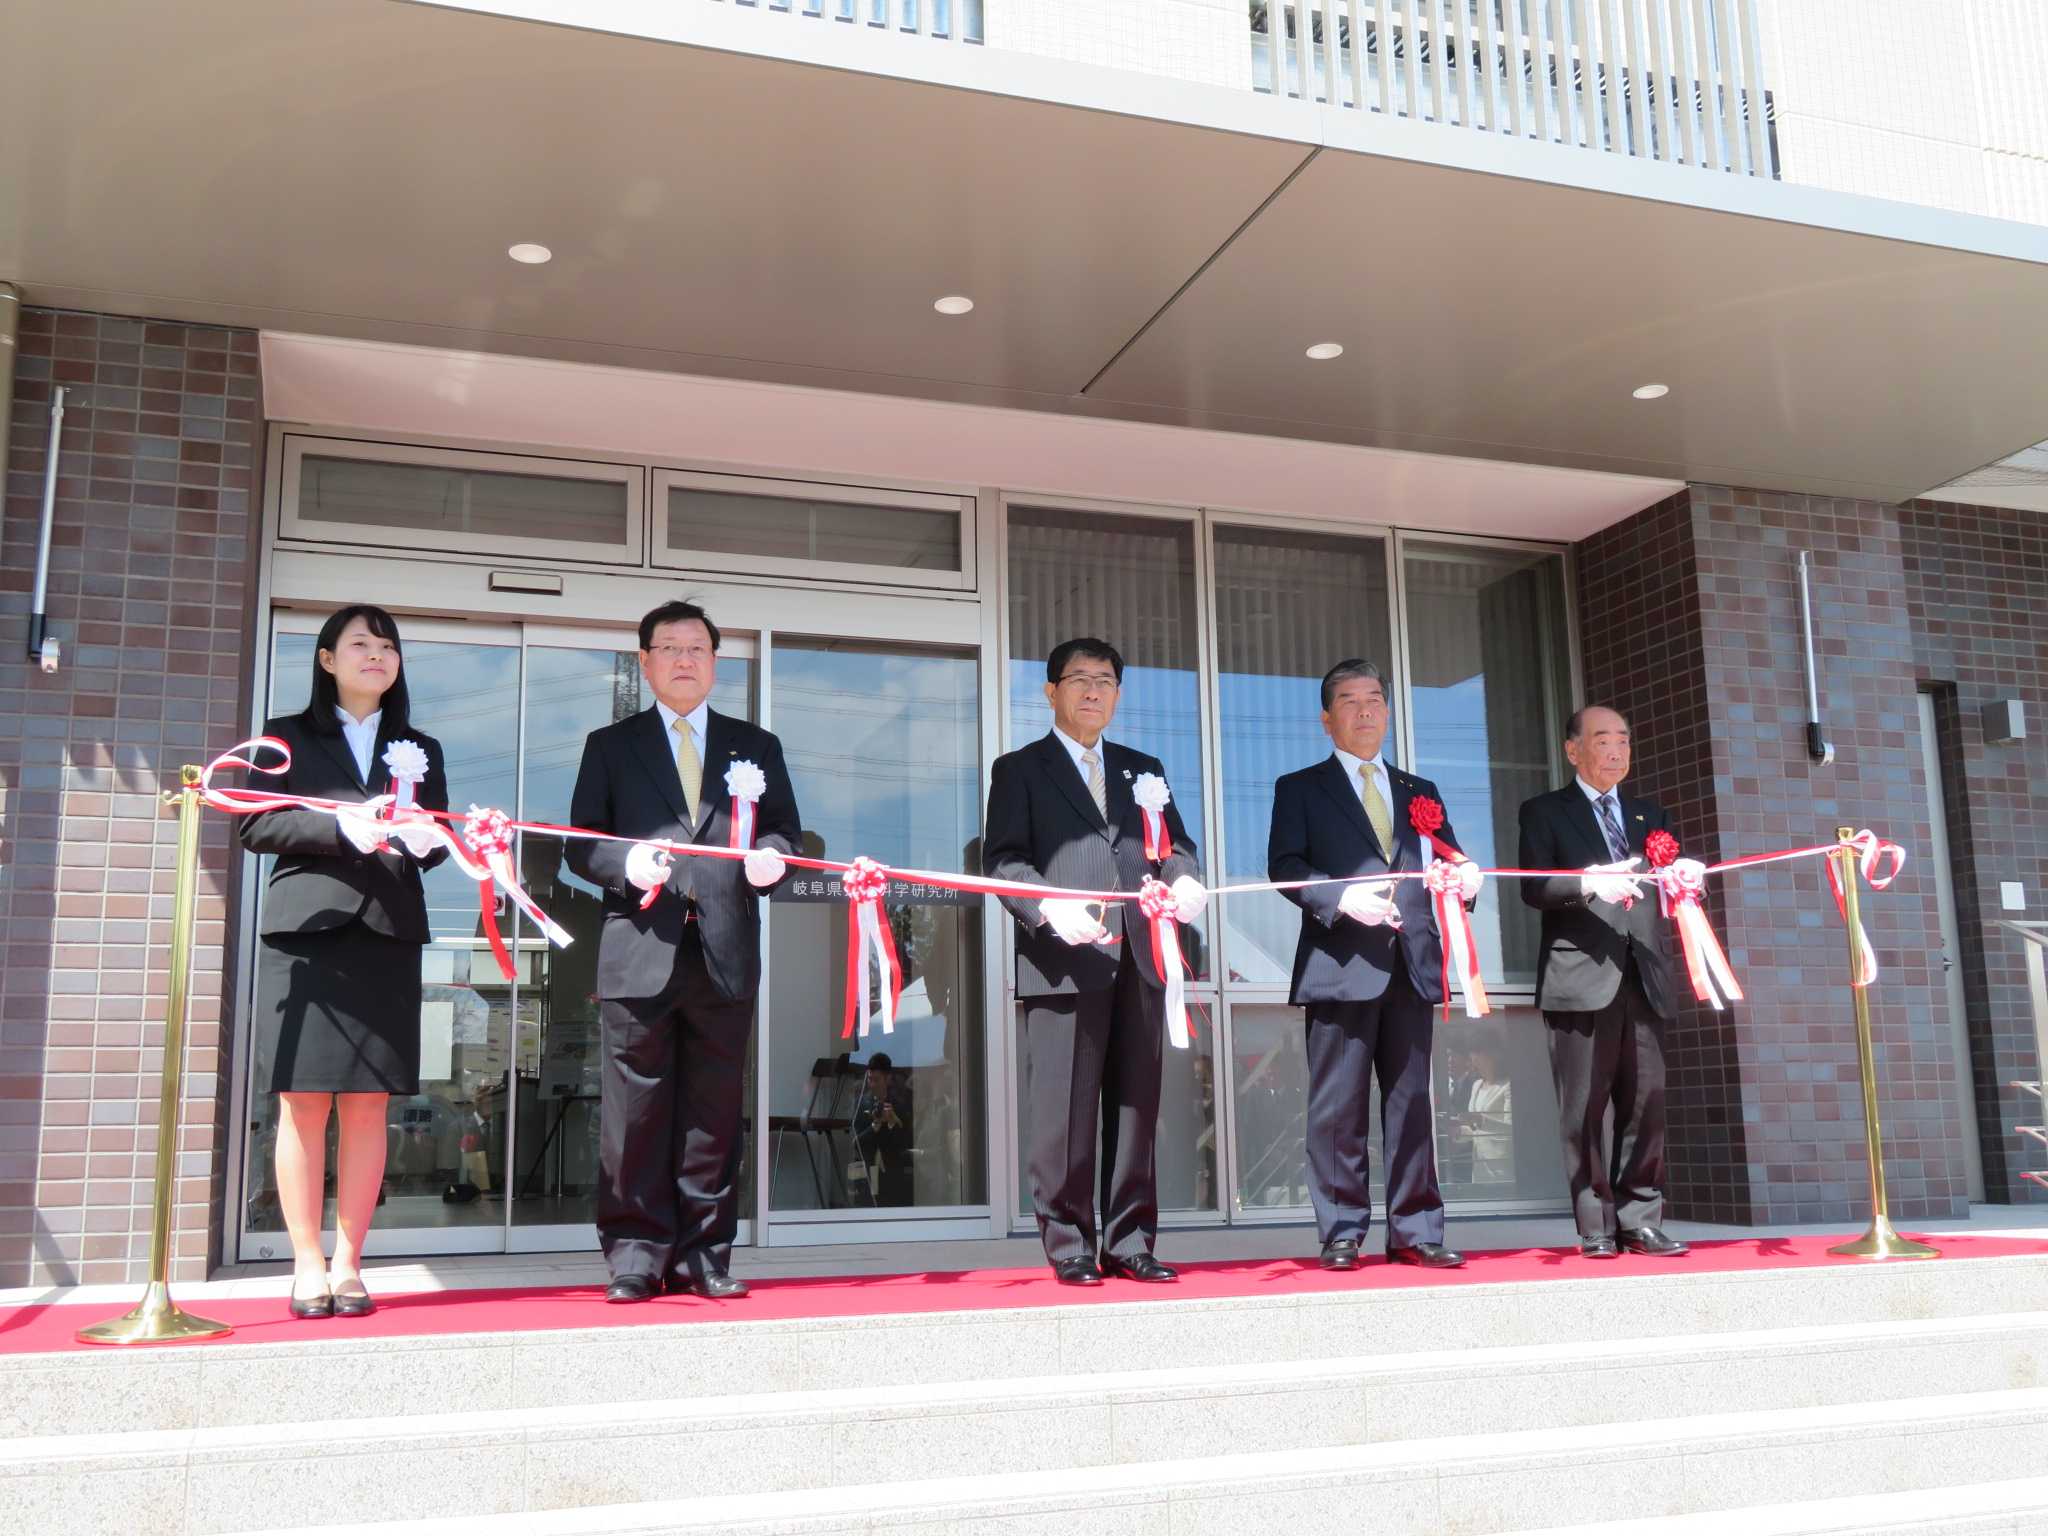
point(356, 168)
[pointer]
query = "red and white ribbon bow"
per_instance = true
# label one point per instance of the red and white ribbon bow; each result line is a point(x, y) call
point(488, 859)
point(1680, 884)
point(1150, 792)
point(1157, 904)
point(1447, 899)
point(1873, 854)
point(746, 783)
point(868, 934)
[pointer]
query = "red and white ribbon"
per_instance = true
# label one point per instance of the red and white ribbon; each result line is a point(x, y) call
point(1157, 905)
point(489, 834)
point(407, 761)
point(1680, 885)
point(868, 935)
point(1873, 854)
point(1454, 926)
point(745, 782)
point(1150, 792)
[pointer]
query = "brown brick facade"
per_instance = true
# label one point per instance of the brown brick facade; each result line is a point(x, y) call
point(150, 596)
point(1765, 1100)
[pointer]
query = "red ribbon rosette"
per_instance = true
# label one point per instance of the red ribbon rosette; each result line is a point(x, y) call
point(1680, 884)
point(868, 935)
point(1158, 907)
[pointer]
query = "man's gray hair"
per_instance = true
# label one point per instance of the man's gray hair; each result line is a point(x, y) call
point(1575, 724)
point(1345, 671)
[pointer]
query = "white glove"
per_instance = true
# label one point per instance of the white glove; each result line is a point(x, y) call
point(419, 837)
point(1469, 881)
point(1073, 920)
point(1609, 882)
point(1691, 870)
point(764, 867)
point(359, 824)
point(1370, 902)
point(1189, 899)
point(647, 866)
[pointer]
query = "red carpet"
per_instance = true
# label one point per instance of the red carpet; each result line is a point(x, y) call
point(41, 1328)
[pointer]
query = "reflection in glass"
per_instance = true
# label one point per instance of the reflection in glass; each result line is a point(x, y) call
point(569, 693)
point(704, 521)
point(1289, 606)
point(1269, 1058)
point(1490, 679)
point(883, 747)
point(1496, 1110)
point(445, 1162)
point(1130, 581)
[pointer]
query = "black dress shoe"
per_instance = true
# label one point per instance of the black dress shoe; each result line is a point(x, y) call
point(1076, 1272)
point(1139, 1266)
point(712, 1284)
point(355, 1303)
point(632, 1288)
point(313, 1306)
point(1598, 1248)
point(1652, 1241)
point(1427, 1255)
point(1340, 1253)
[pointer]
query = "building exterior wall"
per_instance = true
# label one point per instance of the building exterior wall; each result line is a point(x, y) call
point(1207, 41)
point(149, 593)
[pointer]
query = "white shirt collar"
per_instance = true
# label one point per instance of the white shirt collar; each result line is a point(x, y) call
point(1596, 796)
point(1377, 762)
point(361, 736)
point(698, 718)
point(1075, 749)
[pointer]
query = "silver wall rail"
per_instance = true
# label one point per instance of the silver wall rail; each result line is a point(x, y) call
point(42, 645)
point(1818, 747)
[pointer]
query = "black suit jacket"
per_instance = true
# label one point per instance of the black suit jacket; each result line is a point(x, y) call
point(322, 880)
point(1319, 830)
point(1586, 945)
point(628, 785)
point(1043, 829)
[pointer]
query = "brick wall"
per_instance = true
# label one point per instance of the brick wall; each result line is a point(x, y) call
point(149, 594)
point(1767, 1118)
point(1977, 593)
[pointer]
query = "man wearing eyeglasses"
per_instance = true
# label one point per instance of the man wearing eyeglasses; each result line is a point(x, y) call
point(1367, 970)
point(1062, 812)
point(678, 963)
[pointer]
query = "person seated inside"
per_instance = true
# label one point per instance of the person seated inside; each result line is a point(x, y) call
point(881, 1130)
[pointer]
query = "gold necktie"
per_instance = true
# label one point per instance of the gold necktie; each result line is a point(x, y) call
point(1376, 810)
point(1096, 787)
point(689, 768)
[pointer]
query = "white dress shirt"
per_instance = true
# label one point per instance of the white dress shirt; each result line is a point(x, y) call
point(1380, 781)
point(361, 736)
point(1075, 749)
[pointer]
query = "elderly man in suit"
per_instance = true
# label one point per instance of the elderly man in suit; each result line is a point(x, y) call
point(1367, 969)
point(1604, 985)
point(676, 976)
point(1062, 812)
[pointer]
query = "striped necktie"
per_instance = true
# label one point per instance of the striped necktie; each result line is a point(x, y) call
point(1610, 823)
point(1096, 786)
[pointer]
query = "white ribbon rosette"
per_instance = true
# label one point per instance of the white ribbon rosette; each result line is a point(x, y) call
point(1153, 797)
point(407, 761)
point(746, 783)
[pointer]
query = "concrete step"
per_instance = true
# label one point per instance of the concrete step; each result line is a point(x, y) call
point(478, 1463)
point(212, 1386)
point(1938, 1449)
point(2015, 1508)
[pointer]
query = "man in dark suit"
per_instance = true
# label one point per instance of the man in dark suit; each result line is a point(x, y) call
point(1367, 969)
point(675, 979)
point(1604, 986)
point(1062, 812)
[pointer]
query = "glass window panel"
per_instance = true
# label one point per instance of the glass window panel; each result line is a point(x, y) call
point(1130, 581)
point(570, 692)
point(884, 749)
point(463, 503)
point(1496, 1109)
point(1269, 1067)
point(704, 521)
point(1490, 678)
point(445, 1165)
point(1289, 606)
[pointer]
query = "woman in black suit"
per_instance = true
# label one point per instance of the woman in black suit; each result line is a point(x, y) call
point(338, 969)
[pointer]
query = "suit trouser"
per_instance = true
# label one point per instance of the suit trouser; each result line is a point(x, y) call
point(1094, 1059)
point(669, 1124)
point(1611, 1056)
point(1348, 1043)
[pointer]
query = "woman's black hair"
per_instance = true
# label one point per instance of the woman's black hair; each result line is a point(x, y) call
point(318, 716)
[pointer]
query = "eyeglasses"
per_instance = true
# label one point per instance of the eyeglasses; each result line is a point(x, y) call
point(1099, 682)
point(677, 652)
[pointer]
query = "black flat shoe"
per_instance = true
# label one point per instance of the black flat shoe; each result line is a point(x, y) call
point(354, 1303)
point(631, 1288)
point(1139, 1266)
point(1340, 1253)
point(713, 1284)
point(316, 1306)
point(1598, 1248)
point(1427, 1255)
point(1076, 1272)
point(1651, 1241)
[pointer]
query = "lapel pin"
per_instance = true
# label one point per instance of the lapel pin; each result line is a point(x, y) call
point(1639, 817)
point(1127, 773)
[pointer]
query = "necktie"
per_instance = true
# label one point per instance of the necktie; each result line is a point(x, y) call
point(689, 767)
point(1610, 823)
point(1376, 810)
point(1096, 788)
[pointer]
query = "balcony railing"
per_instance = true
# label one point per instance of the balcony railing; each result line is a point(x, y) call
point(1673, 80)
point(959, 21)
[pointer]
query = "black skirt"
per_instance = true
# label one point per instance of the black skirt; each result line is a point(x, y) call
point(339, 1012)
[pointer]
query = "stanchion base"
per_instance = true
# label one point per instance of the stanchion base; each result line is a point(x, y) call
point(156, 1320)
point(1883, 1242)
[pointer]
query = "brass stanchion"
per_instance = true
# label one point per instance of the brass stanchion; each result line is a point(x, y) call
point(1881, 1241)
point(157, 1319)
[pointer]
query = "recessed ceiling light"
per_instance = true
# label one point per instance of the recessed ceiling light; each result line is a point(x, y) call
point(954, 304)
point(1651, 391)
point(531, 254)
point(1323, 351)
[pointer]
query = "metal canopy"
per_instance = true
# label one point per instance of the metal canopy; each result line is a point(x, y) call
point(359, 167)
